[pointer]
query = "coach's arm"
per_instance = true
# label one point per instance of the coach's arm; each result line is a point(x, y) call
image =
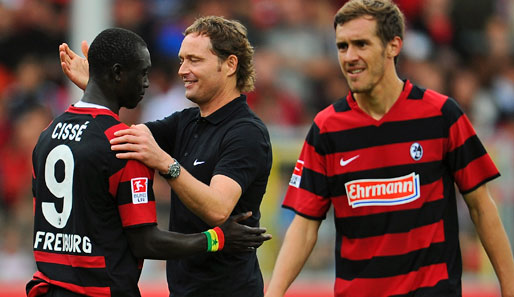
point(213, 202)
point(484, 215)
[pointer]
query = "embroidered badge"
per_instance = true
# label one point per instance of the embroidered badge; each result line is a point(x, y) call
point(416, 151)
point(297, 174)
point(139, 190)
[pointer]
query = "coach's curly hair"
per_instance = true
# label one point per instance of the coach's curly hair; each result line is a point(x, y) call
point(229, 37)
point(390, 20)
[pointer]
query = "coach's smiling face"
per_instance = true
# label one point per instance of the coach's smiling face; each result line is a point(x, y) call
point(206, 77)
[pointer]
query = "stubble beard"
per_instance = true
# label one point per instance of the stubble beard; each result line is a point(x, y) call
point(370, 86)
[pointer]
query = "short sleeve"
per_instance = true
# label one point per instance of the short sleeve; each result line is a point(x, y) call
point(132, 189)
point(466, 156)
point(307, 193)
point(245, 154)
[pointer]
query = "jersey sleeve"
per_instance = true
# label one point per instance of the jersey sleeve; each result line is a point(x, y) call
point(307, 193)
point(132, 188)
point(246, 154)
point(467, 158)
point(134, 194)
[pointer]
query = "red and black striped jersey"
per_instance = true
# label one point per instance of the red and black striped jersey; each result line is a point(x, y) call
point(83, 199)
point(392, 184)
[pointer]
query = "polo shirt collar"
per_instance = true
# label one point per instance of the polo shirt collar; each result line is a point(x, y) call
point(225, 111)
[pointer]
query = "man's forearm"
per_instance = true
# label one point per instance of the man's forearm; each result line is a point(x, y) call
point(206, 201)
point(153, 243)
point(496, 244)
point(484, 215)
point(298, 243)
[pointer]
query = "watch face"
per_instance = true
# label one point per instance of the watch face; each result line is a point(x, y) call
point(174, 170)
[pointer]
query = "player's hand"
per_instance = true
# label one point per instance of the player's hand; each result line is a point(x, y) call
point(137, 143)
point(75, 67)
point(242, 238)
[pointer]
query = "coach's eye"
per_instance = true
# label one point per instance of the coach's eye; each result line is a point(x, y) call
point(342, 46)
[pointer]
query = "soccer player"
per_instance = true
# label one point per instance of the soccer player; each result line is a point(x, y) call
point(94, 214)
point(216, 157)
point(386, 158)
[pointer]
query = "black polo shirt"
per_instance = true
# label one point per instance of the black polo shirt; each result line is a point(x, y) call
point(233, 142)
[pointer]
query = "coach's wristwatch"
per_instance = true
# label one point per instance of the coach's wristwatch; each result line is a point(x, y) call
point(173, 170)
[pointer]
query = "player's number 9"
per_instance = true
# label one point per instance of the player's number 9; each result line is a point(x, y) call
point(63, 189)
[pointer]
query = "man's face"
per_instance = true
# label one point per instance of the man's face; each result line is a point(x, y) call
point(200, 69)
point(135, 79)
point(361, 54)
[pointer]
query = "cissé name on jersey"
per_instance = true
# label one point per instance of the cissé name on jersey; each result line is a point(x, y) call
point(69, 131)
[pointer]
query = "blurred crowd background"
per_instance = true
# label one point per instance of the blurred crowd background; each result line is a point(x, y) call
point(462, 48)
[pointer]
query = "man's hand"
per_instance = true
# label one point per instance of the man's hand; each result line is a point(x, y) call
point(75, 67)
point(137, 143)
point(242, 238)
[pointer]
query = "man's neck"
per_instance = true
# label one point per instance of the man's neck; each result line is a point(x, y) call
point(379, 101)
point(217, 102)
point(95, 94)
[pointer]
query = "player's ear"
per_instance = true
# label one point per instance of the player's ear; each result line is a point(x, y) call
point(394, 47)
point(116, 71)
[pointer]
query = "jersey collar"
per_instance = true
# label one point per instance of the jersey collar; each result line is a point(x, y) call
point(225, 111)
point(92, 111)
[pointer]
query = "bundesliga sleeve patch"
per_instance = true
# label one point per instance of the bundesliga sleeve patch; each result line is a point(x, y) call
point(139, 190)
point(384, 192)
point(297, 174)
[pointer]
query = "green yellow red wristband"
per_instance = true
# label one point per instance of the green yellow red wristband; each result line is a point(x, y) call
point(221, 238)
point(215, 239)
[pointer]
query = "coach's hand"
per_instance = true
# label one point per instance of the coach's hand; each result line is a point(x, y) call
point(75, 67)
point(138, 143)
point(242, 238)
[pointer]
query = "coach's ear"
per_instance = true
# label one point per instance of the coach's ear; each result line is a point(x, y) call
point(231, 64)
point(394, 47)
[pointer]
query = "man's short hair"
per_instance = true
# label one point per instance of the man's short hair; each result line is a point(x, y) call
point(390, 20)
point(111, 46)
point(229, 37)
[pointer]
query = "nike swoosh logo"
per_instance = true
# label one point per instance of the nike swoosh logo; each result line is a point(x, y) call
point(344, 162)
point(196, 162)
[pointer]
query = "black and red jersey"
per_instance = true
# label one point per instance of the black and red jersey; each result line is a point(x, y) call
point(392, 184)
point(83, 198)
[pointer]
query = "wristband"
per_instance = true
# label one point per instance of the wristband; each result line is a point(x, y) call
point(215, 239)
point(221, 238)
